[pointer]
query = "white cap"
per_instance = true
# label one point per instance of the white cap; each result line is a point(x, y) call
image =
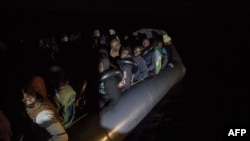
point(166, 38)
point(111, 32)
point(65, 38)
point(96, 33)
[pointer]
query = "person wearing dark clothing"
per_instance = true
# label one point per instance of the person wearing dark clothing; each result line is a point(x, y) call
point(152, 55)
point(169, 45)
point(125, 67)
point(43, 54)
point(43, 113)
point(164, 54)
point(64, 96)
point(108, 88)
point(114, 52)
point(147, 51)
point(142, 71)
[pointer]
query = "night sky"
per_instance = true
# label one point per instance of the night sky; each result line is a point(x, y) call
point(212, 38)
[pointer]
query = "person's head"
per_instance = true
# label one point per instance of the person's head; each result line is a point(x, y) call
point(103, 65)
point(126, 52)
point(40, 42)
point(155, 43)
point(57, 76)
point(112, 32)
point(96, 33)
point(30, 96)
point(145, 42)
point(160, 44)
point(115, 45)
point(166, 39)
point(103, 53)
point(137, 50)
point(155, 35)
point(65, 38)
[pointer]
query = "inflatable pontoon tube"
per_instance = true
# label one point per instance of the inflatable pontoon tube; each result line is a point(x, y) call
point(133, 106)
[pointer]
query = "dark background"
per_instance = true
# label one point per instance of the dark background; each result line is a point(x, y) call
point(212, 38)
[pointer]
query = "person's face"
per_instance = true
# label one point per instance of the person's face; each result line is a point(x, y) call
point(28, 99)
point(137, 51)
point(100, 67)
point(124, 54)
point(65, 39)
point(40, 42)
point(115, 46)
point(160, 44)
point(145, 43)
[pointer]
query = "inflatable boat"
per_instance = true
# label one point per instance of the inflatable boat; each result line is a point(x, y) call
point(133, 106)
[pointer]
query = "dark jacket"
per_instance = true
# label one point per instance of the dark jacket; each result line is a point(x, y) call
point(142, 71)
point(108, 87)
point(147, 55)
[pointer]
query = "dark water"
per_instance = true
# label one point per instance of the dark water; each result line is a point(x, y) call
point(215, 51)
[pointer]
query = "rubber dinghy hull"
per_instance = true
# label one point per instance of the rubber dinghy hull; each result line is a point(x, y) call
point(133, 106)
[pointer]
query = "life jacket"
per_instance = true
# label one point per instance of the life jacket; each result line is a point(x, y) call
point(39, 107)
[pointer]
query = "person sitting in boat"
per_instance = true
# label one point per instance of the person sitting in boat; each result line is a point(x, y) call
point(169, 45)
point(114, 52)
point(64, 96)
point(152, 56)
point(126, 65)
point(103, 53)
point(155, 67)
point(164, 53)
point(147, 51)
point(43, 113)
point(142, 71)
point(108, 87)
point(98, 40)
point(38, 83)
point(113, 35)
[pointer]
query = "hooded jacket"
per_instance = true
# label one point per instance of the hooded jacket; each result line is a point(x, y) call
point(108, 88)
point(142, 71)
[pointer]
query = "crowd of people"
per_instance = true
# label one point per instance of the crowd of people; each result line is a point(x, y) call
point(48, 73)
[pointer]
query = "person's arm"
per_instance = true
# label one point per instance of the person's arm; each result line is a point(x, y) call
point(144, 69)
point(47, 119)
point(127, 76)
point(57, 103)
point(57, 132)
point(153, 64)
